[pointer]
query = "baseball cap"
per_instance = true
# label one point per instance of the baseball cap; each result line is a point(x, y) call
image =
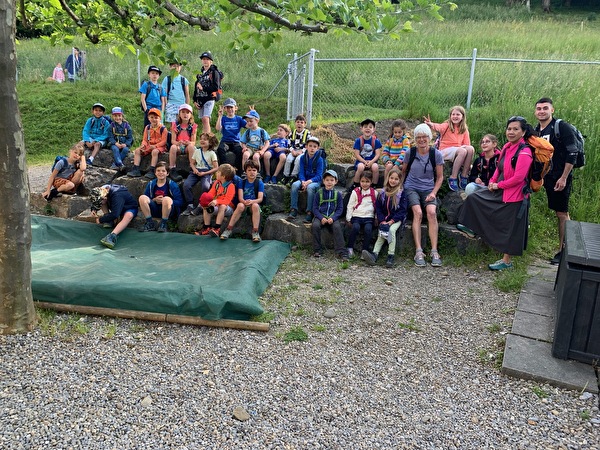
point(229, 102)
point(332, 173)
point(117, 110)
point(186, 107)
point(205, 199)
point(154, 111)
point(156, 69)
point(97, 194)
point(252, 114)
point(314, 139)
point(366, 121)
point(98, 105)
point(207, 55)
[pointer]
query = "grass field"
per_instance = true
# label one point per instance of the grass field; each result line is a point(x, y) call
point(53, 115)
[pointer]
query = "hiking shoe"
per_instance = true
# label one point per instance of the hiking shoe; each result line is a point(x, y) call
point(188, 210)
point(293, 214)
point(53, 193)
point(267, 179)
point(114, 167)
point(150, 175)
point(197, 211)
point(500, 265)
point(148, 226)
point(134, 173)
point(350, 252)
point(390, 261)
point(555, 261)
point(110, 240)
point(317, 254)
point(256, 236)
point(215, 232)
point(453, 184)
point(436, 261)
point(273, 180)
point(369, 258)
point(308, 218)
point(420, 259)
point(463, 182)
point(204, 231)
point(225, 234)
point(174, 175)
point(466, 230)
point(162, 227)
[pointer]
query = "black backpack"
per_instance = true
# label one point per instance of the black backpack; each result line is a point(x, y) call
point(579, 141)
point(413, 155)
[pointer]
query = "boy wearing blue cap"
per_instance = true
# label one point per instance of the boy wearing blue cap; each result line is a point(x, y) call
point(152, 94)
point(255, 140)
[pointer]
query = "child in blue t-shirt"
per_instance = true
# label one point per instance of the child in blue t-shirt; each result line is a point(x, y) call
point(250, 193)
point(152, 94)
point(255, 140)
point(96, 131)
point(367, 149)
point(177, 89)
point(230, 125)
point(161, 198)
point(279, 146)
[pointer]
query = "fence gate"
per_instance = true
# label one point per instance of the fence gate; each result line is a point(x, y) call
point(299, 88)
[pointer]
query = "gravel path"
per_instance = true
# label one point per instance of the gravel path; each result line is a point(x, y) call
point(401, 358)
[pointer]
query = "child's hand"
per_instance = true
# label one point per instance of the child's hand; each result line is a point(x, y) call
point(221, 110)
point(427, 119)
point(324, 221)
point(213, 203)
point(158, 199)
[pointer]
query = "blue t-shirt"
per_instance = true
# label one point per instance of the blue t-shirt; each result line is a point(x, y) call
point(420, 177)
point(249, 189)
point(255, 139)
point(284, 143)
point(368, 150)
point(176, 93)
point(231, 127)
point(153, 98)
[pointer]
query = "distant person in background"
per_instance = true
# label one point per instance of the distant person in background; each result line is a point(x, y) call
point(57, 74)
point(73, 64)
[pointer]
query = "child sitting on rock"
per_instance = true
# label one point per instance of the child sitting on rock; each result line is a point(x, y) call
point(218, 201)
point(327, 209)
point(279, 146)
point(183, 135)
point(204, 165)
point(96, 131)
point(360, 213)
point(162, 198)
point(120, 138)
point(309, 178)
point(154, 142)
point(298, 138)
point(117, 204)
point(367, 149)
point(67, 173)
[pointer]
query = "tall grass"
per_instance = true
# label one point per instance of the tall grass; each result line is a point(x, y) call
point(53, 115)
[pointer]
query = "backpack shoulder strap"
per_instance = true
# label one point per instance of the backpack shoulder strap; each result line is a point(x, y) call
point(411, 159)
point(557, 128)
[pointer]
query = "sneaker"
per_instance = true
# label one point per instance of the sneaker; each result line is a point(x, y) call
point(215, 232)
point(350, 252)
point(308, 218)
point(197, 211)
point(420, 259)
point(390, 261)
point(555, 261)
point(293, 214)
point(256, 236)
point(369, 257)
point(53, 193)
point(134, 173)
point(436, 261)
point(148, 226)
point(225, 234)
point(453, 184)
point(174, 175)
point(204, 231)
point(162, 227)
point(500, 265)
point(150, 175)
point(470, 233)
point(188, 210)
point(114, 167)
point(273, 180)
point(463, 182)
point(110, 240)
point(89, 162)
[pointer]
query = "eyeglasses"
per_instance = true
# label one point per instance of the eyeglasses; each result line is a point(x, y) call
point(517, 119)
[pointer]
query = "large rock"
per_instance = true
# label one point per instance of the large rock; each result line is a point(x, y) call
point(65, 207)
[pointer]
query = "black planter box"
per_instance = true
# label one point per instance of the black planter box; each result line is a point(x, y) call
point(577, 324)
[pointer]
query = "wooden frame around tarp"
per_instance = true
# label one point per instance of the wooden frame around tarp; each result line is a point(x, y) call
point(155, 317)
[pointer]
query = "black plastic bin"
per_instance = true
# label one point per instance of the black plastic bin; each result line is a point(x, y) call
point(577, 324)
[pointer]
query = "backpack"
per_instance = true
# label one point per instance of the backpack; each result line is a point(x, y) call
point(126, 127)
point(162, 127)
point(542, 152)
point(148, 90)
point(200, 96)
point(318, 154)
point(328, 200)
point(169, 85)
point(362, 142)
point(579, 142)
point(57, 159)
point(255, 190)
point(413, 155)
point(360, 196)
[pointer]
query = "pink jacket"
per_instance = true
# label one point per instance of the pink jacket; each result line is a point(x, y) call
point(514, 179)
point(449, 138)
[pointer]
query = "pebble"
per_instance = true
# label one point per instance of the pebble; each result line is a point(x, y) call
point(330, 313)
point(241, 414)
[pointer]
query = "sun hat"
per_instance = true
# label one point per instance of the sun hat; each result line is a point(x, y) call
point(117, 110)
point(97, 194)
point(154, 68)
point(98, 105)
point(230, 102)
point(205, 199)
point(155, 111)
point(332, 173)
point(252, 114)
point(186, 107)
point(207, 55)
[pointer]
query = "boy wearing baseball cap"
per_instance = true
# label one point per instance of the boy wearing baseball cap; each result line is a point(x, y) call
point(230, 125)
point(152, 95)
point(95, 131)
point(154, 142)
point(255, 140)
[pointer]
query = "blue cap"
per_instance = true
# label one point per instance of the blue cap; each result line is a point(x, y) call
point(117, 110)
point(252, 114)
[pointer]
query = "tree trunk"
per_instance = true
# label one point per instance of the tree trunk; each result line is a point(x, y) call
point(17, 314)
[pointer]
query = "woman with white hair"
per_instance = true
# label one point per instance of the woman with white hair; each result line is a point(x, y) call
point(423, 170)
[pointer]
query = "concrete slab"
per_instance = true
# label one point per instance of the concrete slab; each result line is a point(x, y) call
point(533, 326)
point(538, 304)
point(532, 360)
point(539, 286)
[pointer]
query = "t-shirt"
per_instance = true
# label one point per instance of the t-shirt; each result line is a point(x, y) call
point(255, 139)
point(65, 170)
point(250, 190)
point(183, 134)
point(284, 144)
point(231, 127)
point(205, 163)
point(176, 94)
point(153, 98)
point(421, 175)
point(367, 151)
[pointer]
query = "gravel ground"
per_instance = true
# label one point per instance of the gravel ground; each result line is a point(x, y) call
point(400, 358)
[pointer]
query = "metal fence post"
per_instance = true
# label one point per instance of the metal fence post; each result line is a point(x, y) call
point(311, 80)
point(290, 99)
point(139, 70)
point(471, 78)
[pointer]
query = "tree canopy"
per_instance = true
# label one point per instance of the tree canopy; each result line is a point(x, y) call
point(154, 25)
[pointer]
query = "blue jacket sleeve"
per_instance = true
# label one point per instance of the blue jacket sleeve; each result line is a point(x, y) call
point(301, 170)
point(399, 214)
point(106, 130)
point(175, 193)
point(149, 190)
point(316, 178)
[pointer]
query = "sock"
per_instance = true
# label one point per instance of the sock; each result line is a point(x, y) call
point(254, 230)
point(91, 158)
point(163, 220)
point(136, 167)
point(229, 227)
point(151, 169)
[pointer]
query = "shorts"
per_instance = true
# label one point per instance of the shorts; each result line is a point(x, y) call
point(171, 112)
point(248, 211)
point(58, 182)
point(228, 211)
point(156, 210)
point(102, 143)
point(182, 148)
point(146, 151)
point(132, 211)
point(449, 153)
point(418, 198)
point(357, 162)
point(276, 153)
point(206, 109)
point(558, 200)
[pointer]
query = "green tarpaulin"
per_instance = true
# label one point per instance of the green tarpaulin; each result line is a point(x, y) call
point(170, 273)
